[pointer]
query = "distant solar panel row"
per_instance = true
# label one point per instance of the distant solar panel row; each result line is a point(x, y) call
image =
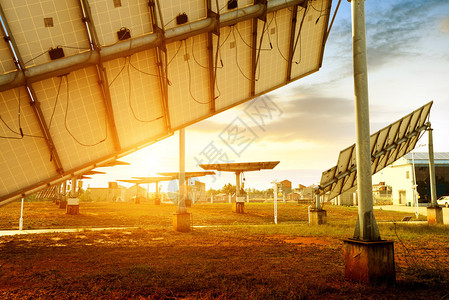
point(387, 145)
point(84, 82)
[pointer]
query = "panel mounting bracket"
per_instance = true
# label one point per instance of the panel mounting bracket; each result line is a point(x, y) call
point(212, 14)
point(263, 16)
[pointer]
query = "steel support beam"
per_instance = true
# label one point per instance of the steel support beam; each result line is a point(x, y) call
point(212, 66)
point(182, 172)
point(254, 56)
point(101, 72)
point(161, 61)
point(366, 228)
point(292, 42)
point(33, 101)
point(125, 48)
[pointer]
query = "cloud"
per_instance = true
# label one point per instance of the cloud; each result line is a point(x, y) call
point(444, 25)
point(313, 119)
point(393, 28)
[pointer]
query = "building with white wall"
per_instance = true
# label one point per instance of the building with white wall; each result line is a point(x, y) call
point(400, 176)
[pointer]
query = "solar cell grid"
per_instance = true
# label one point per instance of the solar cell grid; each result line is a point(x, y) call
point(99, 124)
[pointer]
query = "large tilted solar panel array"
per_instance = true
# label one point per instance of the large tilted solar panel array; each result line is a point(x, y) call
point(84, 82)
point(387, 145)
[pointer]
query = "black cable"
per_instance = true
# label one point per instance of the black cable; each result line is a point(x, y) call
point(298, 37)
point(165, 25)
point(190, 75)
point(121, 70)
point(129, 98)
point(221, 45)
point(251, 47)
point(67, 128)
point(20, 132)
point(217, 52)
point(177, 51)
point(236, 58)
point(71, 47)
point(146, 73)
point(10, 129)
point(277, 36)
point(56, 102)
point(18, 114)
point(258, 52)
point(320, 11)
point(229, 33)
point(30, 60)
point(193, 54)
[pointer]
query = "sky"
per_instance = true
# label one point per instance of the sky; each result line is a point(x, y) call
point(313, 118)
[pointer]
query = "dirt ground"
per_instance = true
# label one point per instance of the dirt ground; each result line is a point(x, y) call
point(232, 257)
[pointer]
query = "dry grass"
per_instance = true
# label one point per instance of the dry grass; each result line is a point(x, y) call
point(238, 257)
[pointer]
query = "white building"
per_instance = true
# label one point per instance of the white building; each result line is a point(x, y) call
point(399, 175)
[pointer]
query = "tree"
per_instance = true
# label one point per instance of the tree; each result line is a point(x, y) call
point(228, 189)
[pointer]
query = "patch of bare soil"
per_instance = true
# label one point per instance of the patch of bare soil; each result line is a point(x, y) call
point(228, 260)
point(203, 264)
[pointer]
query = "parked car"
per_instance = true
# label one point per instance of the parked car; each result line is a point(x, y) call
point(443, 200)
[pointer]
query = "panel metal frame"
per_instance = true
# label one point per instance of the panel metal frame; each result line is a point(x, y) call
point(384, 151)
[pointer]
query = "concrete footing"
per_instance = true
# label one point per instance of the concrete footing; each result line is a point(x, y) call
point(73, 206)
point(317, 217)
point(181, 222)
point(73, 209)
point(370, 262)
point(435, 215)
point(238, 207)
point(62, 204)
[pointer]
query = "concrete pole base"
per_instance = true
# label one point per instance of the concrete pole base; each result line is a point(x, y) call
point(73, 206)
point(157, 201)
point(369, 262)
point(73, 209)
point(317, 217)
point(435, 215)
point(181, 222)
point(238, 207)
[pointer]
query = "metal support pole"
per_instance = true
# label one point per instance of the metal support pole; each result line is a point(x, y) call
point(237, 184)
point(433, 186)
point(317, 201)
point(21, 216)
point(415, 199)
point(73, 187)
point(182, 170)
point(366, 228)
point(157, 189)
point(275, 202)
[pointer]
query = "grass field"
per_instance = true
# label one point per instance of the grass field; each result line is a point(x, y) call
point(225, 256)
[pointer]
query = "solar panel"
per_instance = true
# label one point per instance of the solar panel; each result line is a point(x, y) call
point(387, 145)
point(126, 74)
point(241, 167)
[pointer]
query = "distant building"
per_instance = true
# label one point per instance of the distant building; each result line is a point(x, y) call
point(348, 198)
point(399, 176)
point(285, 186)
point(300, 186)
point(197, 191)
point(113, 193)
point(221, 197)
